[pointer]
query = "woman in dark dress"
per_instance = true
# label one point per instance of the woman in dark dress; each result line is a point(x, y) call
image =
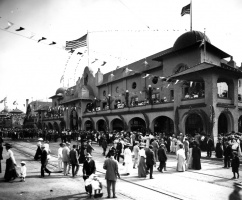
point(82, 152)
point(196, 155)
point(219, 149)
point(10, 172)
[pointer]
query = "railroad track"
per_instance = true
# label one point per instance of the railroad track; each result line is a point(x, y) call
point(190, 171)
point(124, 180)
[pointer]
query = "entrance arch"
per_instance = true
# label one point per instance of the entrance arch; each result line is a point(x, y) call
point(73, 120)
point(88, 125)
point(137, 124)
point(117, 125)
point(225, 122)
point(50, 126)
point(101, 125)
point(194, 124)
point(163, 124)
point(62, 125)
point(56, 127)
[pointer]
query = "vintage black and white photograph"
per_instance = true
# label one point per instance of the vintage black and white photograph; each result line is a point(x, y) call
point(125, 99)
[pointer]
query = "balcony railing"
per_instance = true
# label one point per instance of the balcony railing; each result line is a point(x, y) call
point(139, 106)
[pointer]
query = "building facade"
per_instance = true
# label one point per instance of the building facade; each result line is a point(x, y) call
point(187, 88)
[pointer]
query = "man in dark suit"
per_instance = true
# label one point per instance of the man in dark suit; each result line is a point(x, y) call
point(118, 149)
point(150, 160)
point(74, 160)
point(89, 167)
point(44, 162)
point(162, 157)
point(227, 155)
point(111, 165)
point(209, 147)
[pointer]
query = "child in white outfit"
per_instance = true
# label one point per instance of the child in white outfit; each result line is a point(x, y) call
point(23, 171)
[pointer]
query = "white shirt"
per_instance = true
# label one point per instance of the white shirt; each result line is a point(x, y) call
point(60, 153)
point(10, 155)
point(142, 153)
point(23, 171)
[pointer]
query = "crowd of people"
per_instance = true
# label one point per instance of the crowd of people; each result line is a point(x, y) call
point(134, 149)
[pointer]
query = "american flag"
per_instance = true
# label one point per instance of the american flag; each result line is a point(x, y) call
point(75, 44)
point(186, 9)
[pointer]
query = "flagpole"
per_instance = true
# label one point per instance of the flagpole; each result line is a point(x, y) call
point(204, 45)
point(191, 15)
point(88, 49)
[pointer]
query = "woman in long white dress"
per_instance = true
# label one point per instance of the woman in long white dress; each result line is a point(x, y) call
point(181, 159)
point(127, 159)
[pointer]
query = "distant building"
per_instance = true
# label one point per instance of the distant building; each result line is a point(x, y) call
point(11, 119)
point(187, 88)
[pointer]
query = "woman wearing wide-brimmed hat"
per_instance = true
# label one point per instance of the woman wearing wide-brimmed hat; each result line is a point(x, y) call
point(10, 172)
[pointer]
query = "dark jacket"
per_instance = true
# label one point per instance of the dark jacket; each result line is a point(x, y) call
point(74, 157)
point(89, 167)
point(104, 144)
point(44, 159)
point(162, 155)
point(150, 157)
point(209, 144)
point(1, 152)
point(119, 147)
point(228, 151)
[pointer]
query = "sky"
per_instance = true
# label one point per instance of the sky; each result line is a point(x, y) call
point(119, 32)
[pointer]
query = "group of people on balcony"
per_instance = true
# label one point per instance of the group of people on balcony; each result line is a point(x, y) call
point(194, 94)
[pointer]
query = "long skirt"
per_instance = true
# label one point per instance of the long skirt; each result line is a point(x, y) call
point(142, 167)
point(10, 172)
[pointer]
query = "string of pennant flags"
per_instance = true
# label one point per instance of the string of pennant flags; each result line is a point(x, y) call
point(23, 32)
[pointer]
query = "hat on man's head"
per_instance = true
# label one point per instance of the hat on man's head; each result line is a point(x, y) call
point(67, 143)
point(23, 163)
point(88, 155)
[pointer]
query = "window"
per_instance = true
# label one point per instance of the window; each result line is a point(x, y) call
point(134, 85)
point(155, 80)
point(239, 83)
point(117, 89)
point(171, 95)
point(104, 93)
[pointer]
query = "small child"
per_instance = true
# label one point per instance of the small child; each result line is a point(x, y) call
point(235, 165)
point(23, 170)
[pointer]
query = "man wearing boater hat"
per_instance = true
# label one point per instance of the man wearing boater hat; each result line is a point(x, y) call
point(89, 167)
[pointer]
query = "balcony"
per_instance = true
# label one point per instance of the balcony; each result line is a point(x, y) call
point(188, 101)
point(137, 108)
point(224, 100)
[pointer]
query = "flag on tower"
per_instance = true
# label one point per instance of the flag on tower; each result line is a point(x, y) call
point(186, 9)
point(75, 44)
point(15, 103)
